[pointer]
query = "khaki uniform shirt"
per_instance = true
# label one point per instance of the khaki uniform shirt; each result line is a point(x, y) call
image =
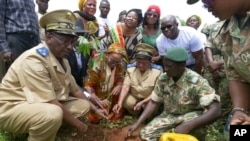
point(190, 93)
point(235, 35)
point(36, 76)
point(141, 86)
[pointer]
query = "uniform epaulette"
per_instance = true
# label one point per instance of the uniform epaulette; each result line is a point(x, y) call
point(43, 51)
point(154, 66)
point(131, 65)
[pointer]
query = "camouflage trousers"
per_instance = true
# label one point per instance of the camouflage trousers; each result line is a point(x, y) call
point(221, 88)
point(167, 123)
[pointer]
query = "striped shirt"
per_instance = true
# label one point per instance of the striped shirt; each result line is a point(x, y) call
point(16, 16)
point(130, 43)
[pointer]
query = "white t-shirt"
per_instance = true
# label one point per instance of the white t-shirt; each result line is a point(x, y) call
point(102, 22)
point(203, 39)
point(188, 38)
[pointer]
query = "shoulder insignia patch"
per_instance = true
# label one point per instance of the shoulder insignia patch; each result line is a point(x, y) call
point(131, 65)
point(43, 51)
point(154, 66)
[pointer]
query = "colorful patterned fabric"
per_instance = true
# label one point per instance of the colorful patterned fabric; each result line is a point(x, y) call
point(129, 43)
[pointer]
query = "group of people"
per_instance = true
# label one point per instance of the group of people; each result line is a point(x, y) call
point(148, 62)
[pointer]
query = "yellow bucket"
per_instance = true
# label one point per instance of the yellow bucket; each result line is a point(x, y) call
point(177, 137)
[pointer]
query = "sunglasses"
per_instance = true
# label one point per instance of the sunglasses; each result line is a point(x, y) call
point(167, 26)
point(151, 14)
point(208, 3)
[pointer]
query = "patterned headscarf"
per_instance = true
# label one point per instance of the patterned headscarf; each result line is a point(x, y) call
point(81, 4)
point(117, 48)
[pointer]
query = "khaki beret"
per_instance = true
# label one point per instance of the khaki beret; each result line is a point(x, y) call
point(177, 54)
point(145, 51)
point(192, 1)
point(61, 21)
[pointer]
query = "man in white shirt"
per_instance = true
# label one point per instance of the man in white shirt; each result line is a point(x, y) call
point(103, 21)
point(183, 36)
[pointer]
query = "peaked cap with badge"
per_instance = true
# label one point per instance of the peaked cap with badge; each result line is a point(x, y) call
point(144, 51)
point(61, 21)
point(177, 54)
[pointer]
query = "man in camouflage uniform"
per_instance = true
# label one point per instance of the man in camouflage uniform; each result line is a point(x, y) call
point(235, 35)
point(189, 101)
point(214, 70)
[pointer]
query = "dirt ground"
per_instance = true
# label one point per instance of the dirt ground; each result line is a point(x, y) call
point(98, 133)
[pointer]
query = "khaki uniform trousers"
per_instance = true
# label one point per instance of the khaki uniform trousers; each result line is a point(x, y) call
point(41, 120)
point(129, 103)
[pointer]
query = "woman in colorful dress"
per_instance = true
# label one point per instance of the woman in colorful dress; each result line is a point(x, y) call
point(105, 80)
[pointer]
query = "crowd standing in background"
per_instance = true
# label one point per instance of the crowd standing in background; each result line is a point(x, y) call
point(149, 58)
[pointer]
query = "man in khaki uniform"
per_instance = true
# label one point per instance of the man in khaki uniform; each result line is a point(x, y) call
point(38, 92)
point(139, 81)
point(189, 101)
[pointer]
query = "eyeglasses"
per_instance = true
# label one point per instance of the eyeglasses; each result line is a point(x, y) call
point(61, 40)
point(151, 14)
point(167, 26)
point(208, 3)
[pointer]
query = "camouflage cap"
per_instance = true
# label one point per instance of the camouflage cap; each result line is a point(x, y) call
point(144, 51)
point(61, 21)
point(177, 54)
point(192, 1)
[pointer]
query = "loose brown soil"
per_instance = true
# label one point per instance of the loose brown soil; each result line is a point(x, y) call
point(98, 133)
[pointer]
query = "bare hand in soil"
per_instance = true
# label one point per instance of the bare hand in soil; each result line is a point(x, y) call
point(102, 112)
point(131, 129)
point(82, 129)
point(105, 103)
point(96, 100)
point(117, 108)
